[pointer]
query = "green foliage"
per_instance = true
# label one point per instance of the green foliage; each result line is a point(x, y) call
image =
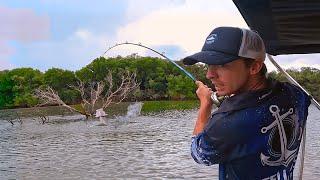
point(158, 106)
point(181, 87)
point(6, 86)
point(70, 96)
point(17, 85)
point(153, 75)
point(62, 81)
point(25, 100)
point(59, 78)
point(159, 80)
point(307, 77)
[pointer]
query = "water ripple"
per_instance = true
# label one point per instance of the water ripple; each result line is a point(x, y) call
point(145, 147)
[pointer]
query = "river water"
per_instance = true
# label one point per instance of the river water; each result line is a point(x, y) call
point(144, 147)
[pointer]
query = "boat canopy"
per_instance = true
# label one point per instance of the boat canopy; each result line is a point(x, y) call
point(286, 26)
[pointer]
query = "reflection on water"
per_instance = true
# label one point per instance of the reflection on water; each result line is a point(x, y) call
point(145, 147)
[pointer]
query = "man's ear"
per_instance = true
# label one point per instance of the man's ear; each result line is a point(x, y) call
point(256, 67)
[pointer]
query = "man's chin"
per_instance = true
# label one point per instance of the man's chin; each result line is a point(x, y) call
point(220, 93)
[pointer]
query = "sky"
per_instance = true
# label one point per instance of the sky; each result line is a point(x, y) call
point(69, 34)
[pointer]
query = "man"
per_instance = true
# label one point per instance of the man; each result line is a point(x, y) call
point(256, 132)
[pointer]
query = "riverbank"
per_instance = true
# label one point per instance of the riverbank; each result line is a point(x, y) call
point(113, 110)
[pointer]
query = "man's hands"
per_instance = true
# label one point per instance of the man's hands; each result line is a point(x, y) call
point(204, 95)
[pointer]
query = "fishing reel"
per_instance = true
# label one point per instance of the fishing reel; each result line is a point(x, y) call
point(217, 100)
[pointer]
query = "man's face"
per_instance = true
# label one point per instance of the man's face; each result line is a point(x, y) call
point(230, 78)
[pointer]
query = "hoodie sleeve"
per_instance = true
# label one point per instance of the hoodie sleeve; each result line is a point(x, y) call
point(204, 152)
point(227, 137)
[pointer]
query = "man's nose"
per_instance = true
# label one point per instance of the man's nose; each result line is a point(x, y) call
point(211, 74)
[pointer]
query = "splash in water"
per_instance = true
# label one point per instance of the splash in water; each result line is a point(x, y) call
point(134, 110)
point(101, 115)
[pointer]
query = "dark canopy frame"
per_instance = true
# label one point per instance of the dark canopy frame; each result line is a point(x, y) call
point(286, 26)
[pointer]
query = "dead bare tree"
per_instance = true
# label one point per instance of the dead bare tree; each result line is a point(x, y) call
point(95, 95)
point(127, 85)
point(48, 96)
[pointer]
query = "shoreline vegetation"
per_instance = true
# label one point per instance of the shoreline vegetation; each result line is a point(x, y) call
point(114, 110)
point(158, 80)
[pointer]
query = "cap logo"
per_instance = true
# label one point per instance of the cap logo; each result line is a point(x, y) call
point(211, 38)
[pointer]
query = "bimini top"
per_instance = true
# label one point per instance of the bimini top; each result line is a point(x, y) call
point(286, 26)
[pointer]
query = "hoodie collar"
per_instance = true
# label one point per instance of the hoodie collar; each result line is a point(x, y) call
point(248, 98)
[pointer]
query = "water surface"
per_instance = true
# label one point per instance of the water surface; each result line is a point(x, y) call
point(144, 147)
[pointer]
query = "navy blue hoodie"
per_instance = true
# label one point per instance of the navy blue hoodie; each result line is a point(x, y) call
point(256, 134)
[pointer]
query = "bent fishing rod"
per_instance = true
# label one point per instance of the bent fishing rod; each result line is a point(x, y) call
point(215, 98)
point(161, 54)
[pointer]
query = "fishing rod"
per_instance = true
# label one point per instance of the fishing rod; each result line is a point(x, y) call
point(215, 98)
point(161, 54)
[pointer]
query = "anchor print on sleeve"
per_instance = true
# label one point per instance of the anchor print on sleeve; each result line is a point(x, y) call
point(287, 155)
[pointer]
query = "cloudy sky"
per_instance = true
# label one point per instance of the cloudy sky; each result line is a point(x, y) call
point(69, 34)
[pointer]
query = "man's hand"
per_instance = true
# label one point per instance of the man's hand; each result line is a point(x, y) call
point(204, 94)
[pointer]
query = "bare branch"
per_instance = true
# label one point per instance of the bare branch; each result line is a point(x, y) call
point(93, 93)
point(128, 83)
point(49, 97)
point(81, 89)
